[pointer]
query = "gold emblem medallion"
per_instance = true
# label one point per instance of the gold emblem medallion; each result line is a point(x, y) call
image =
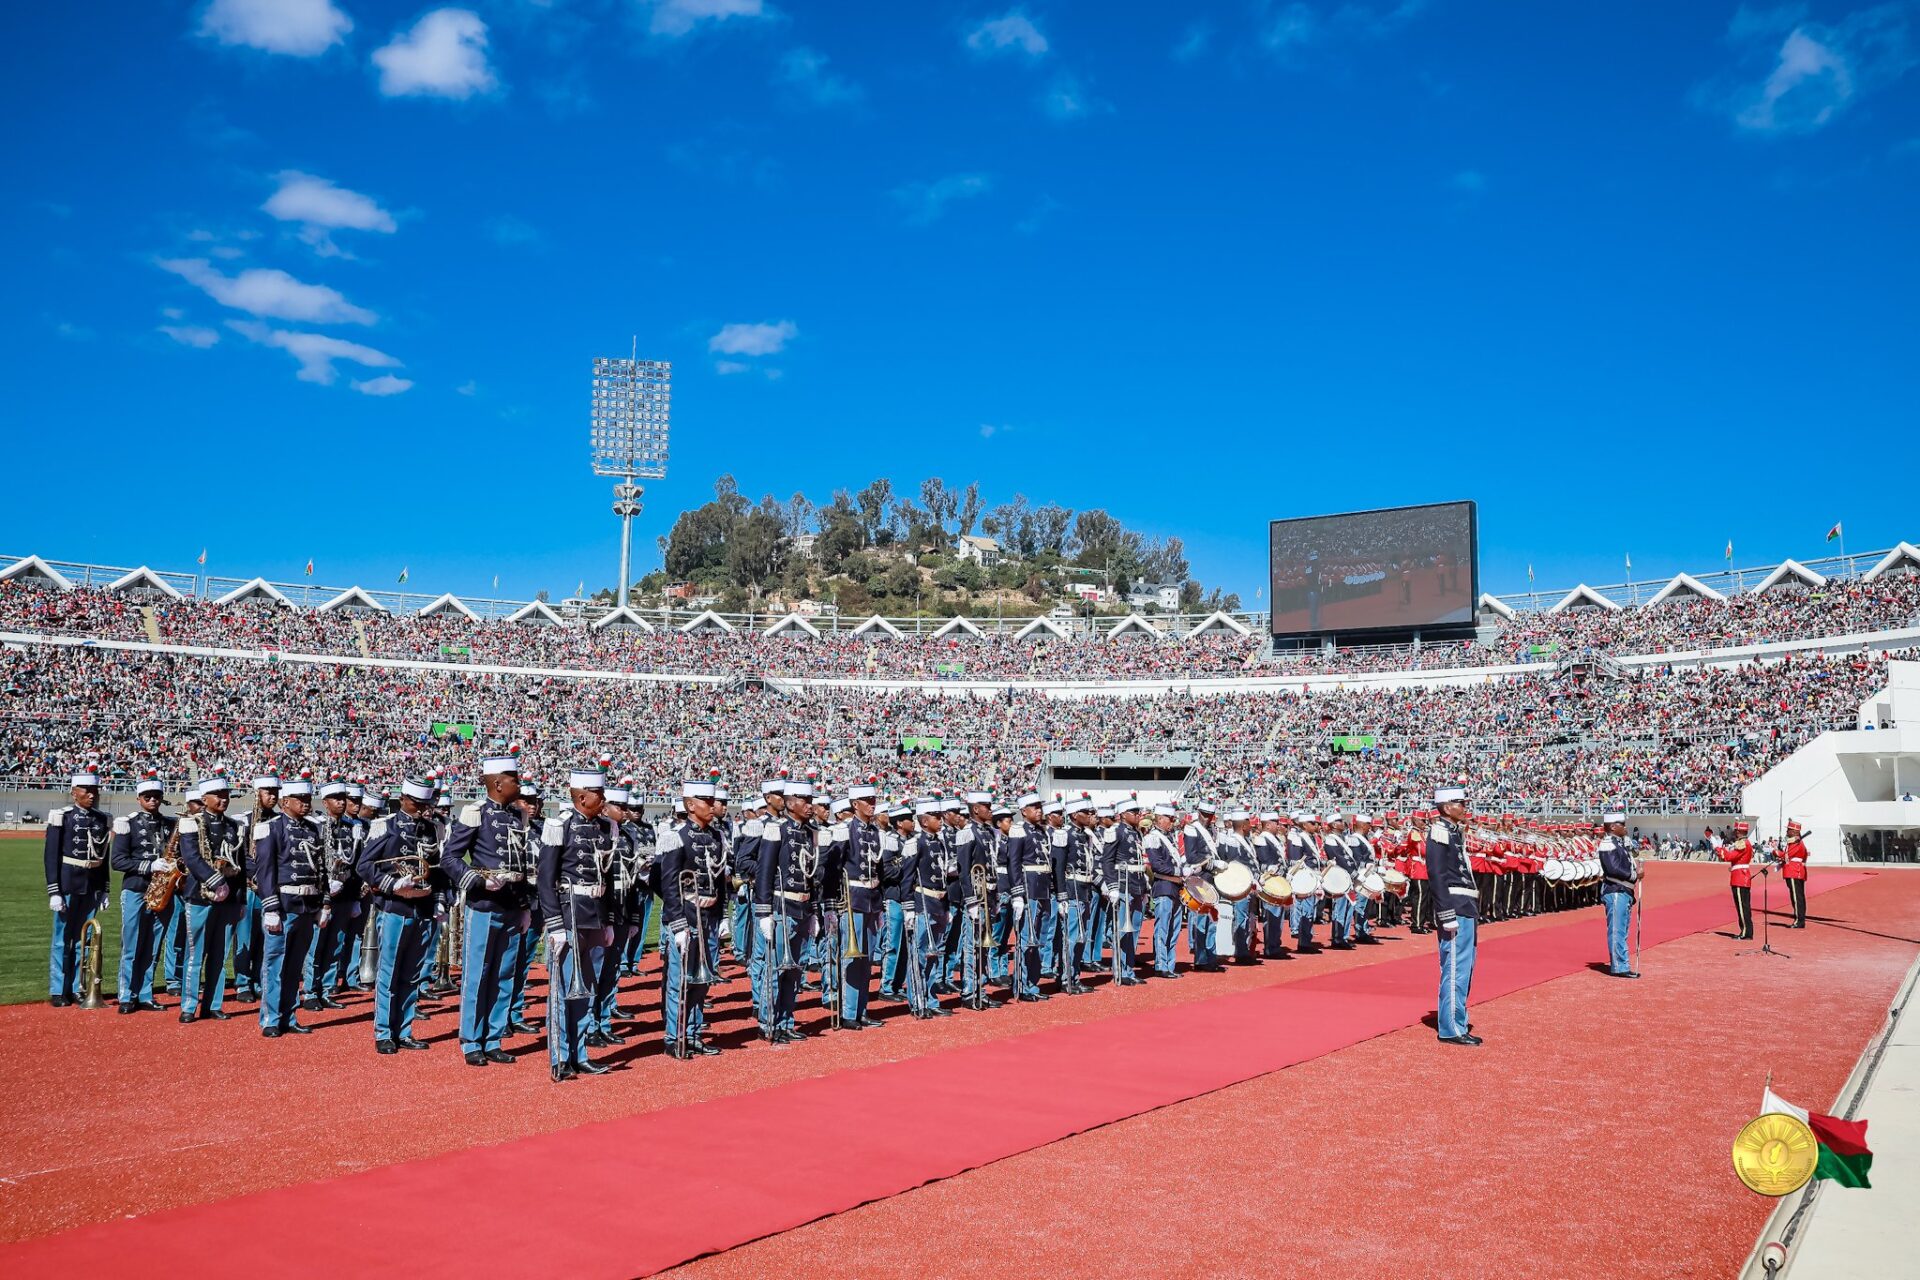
point(1775, 1154)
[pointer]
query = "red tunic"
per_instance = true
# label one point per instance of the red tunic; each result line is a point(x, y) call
point(1796, 856)
point(1738, 855)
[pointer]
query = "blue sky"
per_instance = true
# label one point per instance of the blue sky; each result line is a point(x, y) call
point(1637, 277)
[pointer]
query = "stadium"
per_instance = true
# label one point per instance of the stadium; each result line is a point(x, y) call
point(716, 638)
point(1694, 704)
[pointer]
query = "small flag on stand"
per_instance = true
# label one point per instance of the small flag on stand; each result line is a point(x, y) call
point(1729, 550)
point(1833, 532)
point(309, 566)
point(403, 573)
point(1843, 1143)
point(203, 555)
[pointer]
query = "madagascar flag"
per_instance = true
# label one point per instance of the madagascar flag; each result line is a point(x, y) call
point(1843, 1143)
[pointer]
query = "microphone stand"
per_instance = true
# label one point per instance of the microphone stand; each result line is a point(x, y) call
point(1766, 918)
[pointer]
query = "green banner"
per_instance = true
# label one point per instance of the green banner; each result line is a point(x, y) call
point(1353, 742)
point(923, 744)
point(461, 729)
point(950, 668)
point(456, 651)
point(1537, 649)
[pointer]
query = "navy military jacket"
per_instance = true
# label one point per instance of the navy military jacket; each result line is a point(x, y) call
point(576, 870)
point(78, 842)
point(787, 867)
point(1616, 864)
point(138, 842)
point(208, 842)
point(288, 865)
point(1451, 871)
point(487, 839)
point(688, 847)
point(393, 848)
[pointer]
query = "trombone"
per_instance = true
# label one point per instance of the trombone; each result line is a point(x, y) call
point(982, 935)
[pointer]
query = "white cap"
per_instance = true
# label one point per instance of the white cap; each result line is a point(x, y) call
point(979, 797)
point(500, 764)
point(774, 787)
point(1079, 806)
point(331, 789)
point(1612, 818)
point(1206, 806)
point(1269, 815)
point(299, 787)
point(926, 808)
point(587, 780)
point(215, 783)
point(1166, 811)
point(1053, 806)
point(616, 795)
point(863, 791)
point(150, 784)
point(266, 782)
point(193, 792)
point(415, 789)
point(1130, 805)
point(1029, 798)
point(696, 790)
point(804, 790)
point(1363, 816)
point(952, 804)
point(1447, 795)
point(1238, 815)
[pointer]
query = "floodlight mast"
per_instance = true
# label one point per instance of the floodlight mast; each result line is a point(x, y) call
point(632, 401)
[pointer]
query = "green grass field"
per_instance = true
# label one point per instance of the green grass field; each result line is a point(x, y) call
point(26, 926)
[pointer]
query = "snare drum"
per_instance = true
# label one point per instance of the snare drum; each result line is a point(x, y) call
point(1336, 883)
point(1198, 894)
point(1396, 882)
point(1234, 881)
point(1551, 872)
point(1373, 885)
point(1274, 889)
point(1305, 881)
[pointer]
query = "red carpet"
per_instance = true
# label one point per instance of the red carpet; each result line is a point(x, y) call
point(645, 1192)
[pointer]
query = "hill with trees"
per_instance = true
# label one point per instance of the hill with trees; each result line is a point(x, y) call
point(937, 553)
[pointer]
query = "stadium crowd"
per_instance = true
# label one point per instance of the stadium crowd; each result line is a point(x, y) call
point(1678, 738)
point(1682, 623)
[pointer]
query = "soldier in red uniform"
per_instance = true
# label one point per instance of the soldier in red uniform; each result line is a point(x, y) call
point(1794, 872)
point(1420, 911)
point(1738, 854)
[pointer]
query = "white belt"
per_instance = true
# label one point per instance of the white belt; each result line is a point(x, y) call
point(84, 862)
point(864, 884)
point(1465, 893)
point(587, 890)
point(933, 893)
point(794, 897)
point(1036, 866)
point(1082, 879)
point(298, 890)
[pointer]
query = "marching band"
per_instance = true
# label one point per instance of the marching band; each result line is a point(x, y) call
point(846, 896)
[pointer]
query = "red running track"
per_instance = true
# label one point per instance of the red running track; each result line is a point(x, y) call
point(648, 1191)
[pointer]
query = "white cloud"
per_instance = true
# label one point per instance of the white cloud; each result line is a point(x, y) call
point(444, 55)
point(264, 291)
point(316, 202)
point(1067, 98)
point(752, 339)
point(680, 17)
point(1815, 71)
point(191, 335)
point(468, 388)
point(316, 352)
point(926, 201)
point(724, 367)
point(302, 28)
point(805, 72)
point(1014, 33)
point(384, 385)
point(1293, 27)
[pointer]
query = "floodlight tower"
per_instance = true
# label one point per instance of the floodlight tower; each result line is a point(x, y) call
point(631, 400)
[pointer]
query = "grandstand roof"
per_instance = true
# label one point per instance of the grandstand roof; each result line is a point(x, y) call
point(877, 623)
point(621, 616)
point(1221, 622)
point(958, 623)
point(440, 604)
point(1584, 594)
point(255, 589)
point(1791, 569)
point(791, 622)
point(143, 577)
point(537, 611)
point(1905, 554)
point(1685, 582)
point(1134, 622)
point(352, 597)
point(1494, 604)
point(706, 620)
point(1042, 623)
point(35, 567)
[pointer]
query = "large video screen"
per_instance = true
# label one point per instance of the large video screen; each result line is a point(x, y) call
point(1364, 571)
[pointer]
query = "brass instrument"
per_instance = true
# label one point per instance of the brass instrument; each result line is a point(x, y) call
point(983, 935)
point(92, 965)
point(161, 886)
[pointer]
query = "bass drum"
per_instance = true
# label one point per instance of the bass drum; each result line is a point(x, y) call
point(1274, 889)
point(1234, 881)
point(1551, 872)
point(1305, 880)
point(1373, 885)
point(1336, 883)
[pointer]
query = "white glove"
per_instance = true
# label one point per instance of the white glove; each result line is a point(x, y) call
point(1019, 909)
point(439, 911)
point(556, 945)
point(272, 920)
point(336, 886)
point(766, 928)
point(56, 903)
point(909, 919)
point(220, 891)
point(404, 882)
point(1060, 907)
point(1111, 894)
point(973, 912)
point(1449, 927)
point(679, 937)
point(326, 916)
point(494, 884)
point(161, 866)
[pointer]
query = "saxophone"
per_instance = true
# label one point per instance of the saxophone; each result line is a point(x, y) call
point(162, 885)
